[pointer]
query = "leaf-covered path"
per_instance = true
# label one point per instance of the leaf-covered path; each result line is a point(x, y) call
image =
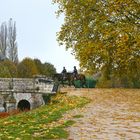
point(113, 114)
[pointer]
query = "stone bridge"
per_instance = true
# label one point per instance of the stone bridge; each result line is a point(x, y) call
point(24, 93)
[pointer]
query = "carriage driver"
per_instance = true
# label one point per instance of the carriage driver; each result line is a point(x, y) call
point(64, 72)
point(75, 72)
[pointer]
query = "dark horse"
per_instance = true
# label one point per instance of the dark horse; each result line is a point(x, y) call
point(80, 77)
point(59, 77)
point(70, 79)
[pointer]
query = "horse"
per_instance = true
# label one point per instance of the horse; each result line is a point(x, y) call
point(59, 77)
point(70, 78)
point(80, 77)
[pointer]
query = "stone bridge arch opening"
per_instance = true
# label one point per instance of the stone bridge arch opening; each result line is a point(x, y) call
point(23, 105)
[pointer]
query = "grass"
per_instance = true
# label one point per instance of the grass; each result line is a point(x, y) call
point(36, 124)
point(68, 123)
point(78, 116)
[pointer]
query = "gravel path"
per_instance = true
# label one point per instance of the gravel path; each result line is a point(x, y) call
point(113, 114)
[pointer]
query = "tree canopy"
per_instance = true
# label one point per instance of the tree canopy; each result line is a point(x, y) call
point(4, 72)
point(104, 35)
point(46, 68)
point(12, 68)
point(27, 68)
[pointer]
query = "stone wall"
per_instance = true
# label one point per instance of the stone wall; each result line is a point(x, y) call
point(5, 83)
point(42, 85)
point(35, 100)
point(29, 89)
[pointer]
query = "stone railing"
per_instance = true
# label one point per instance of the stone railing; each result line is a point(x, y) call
point(5, 83)
point(27, 85)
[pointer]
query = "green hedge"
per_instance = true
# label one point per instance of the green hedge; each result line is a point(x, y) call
point(90, 83)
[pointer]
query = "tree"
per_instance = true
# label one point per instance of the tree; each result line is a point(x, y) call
point(48, 69)
point(39, 65)
point(12, 44)
point(3, 39)
point(4, 72)
point(8, 43)
point(27, 68)
point(12, 68)
point(104, 35)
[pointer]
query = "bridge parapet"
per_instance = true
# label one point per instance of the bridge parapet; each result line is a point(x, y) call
point(4, 83)
point(25, 90)
point(28, 85)
point(22, 84)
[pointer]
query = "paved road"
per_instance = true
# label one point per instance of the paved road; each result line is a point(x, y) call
point(113, 114)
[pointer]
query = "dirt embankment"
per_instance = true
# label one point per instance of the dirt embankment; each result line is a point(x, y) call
point(113, 114)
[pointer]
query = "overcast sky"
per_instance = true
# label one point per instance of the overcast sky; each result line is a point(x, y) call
point(37, 25)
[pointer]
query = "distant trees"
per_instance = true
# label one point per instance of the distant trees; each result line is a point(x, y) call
point(27, 68)
point(38, 65)
point(8, 43)
point(11, 67)
point(3, 39)
point(4, 72)
point(46, 68)
point(12, 43)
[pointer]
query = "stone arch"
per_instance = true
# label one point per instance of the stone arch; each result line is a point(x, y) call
point(24, 105)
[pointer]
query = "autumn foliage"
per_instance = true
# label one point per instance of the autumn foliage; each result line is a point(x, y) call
point(7, 114)
point(27, 68)
point(104, 36)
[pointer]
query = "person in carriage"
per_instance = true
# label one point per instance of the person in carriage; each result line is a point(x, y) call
point(75, 72)
point(64, 73)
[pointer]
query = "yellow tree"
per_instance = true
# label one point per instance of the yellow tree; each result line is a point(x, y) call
point(4, 72)
point(27, 68)
point(104, 35)
point(11, 66)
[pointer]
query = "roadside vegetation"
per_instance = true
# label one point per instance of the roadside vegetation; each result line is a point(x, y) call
point(38, 123)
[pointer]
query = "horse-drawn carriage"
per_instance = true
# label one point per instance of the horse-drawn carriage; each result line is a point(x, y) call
point(69, 79)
